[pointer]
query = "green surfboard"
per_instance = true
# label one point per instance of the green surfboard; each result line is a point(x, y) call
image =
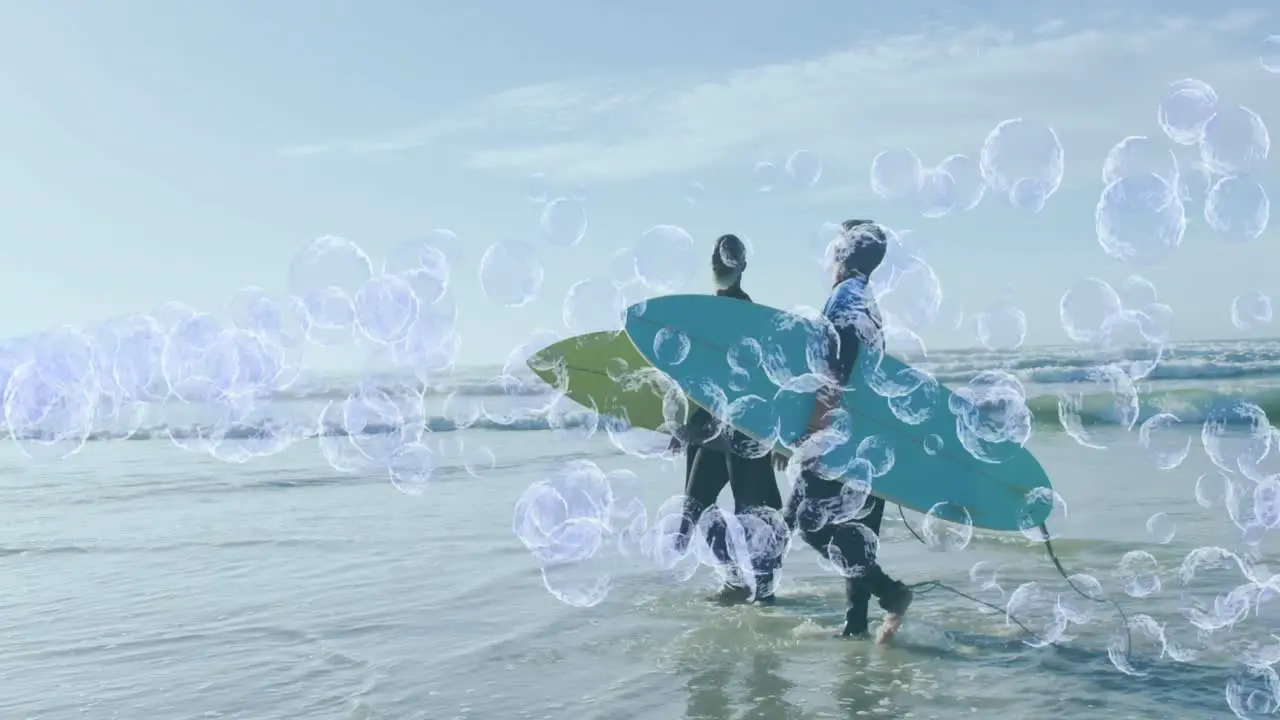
point(604, 372)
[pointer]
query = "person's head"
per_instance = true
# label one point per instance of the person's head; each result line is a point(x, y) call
point(728, 261)
point(858, 251)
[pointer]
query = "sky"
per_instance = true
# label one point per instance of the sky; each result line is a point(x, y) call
point(181, 151)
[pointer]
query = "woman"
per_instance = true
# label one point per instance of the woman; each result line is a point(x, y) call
point(711, 464)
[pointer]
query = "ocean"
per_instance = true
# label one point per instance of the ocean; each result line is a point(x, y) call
point(167, 569)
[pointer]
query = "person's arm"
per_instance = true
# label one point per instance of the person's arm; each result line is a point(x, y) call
point(846, 356)
point(792, 509)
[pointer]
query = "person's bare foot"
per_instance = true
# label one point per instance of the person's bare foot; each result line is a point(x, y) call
point(730, 595)
point(897, 609)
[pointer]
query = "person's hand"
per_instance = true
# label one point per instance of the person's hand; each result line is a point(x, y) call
point(823, 402)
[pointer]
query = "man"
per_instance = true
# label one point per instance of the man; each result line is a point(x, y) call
point(712, 463)
point(843, 538)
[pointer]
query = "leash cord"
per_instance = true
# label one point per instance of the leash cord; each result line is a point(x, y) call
point(927, 586)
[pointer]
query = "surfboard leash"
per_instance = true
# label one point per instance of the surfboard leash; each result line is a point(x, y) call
point(924, 587)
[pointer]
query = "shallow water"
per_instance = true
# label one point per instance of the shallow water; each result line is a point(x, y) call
point(142, 581)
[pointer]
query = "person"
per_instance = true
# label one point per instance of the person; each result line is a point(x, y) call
point(843, 539)
point(716, 456)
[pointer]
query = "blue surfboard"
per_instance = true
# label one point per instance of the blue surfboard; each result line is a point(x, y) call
point(703, 343)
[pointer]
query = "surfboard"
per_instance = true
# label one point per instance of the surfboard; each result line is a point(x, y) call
point(689, 337)
point(603, 371)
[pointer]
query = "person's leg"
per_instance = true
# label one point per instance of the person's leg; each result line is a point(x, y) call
point(708, 476)
point(750, 480)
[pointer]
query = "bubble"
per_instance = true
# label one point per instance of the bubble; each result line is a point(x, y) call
point(593, 306)
point(933, 444)
point(1237, 435)
point(564, 222)
point(326, 267)
point(1037, 609)
point(804, 168)
point(1185, 110)
point(50, 401)
point(1251, 309)
point(560, 519)
point(1125, 336)
point(1237, 209)
point(1254, 692)
point(423, 265)
point(1161, 528)
point(835, 561)
point(1164, 440)
point(896, 174)
point(1211, 489)
point(511, 273)
point(1140, 574)
point(967, 185)
point(1156, 326)
point(937, 197)
point(694, 193)
point(670, 347)
point(1140, 219)
point(1140, 639)
point(1140, 155)
point(1025, 156)
point(1137, 293)
point(1235, 141)
point(665, 258)
point(765, 176)
point(1270, 57)
point(411, 467)
point(915, 297)
point(1107, 395)
point(991, 415)
point(385, 308)
point(947, 527)
point(538, 188)
point(1002, 327)
point(1085, 307)
point(1042, 502)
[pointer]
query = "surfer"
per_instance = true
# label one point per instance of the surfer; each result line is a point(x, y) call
point(711, 463)
point(841, 534)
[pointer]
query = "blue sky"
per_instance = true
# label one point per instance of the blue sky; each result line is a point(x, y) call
point(183, 150)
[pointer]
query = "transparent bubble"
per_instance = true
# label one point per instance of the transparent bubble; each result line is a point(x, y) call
point(622, 267)
point(1126, 336)
point(1161, 528)
point(511, 274)
point(1236, 436)
point(765, 176)
point(1137, 645)
point(896, 174)
point(1235, 141)
point(1106, 396)
point(834, 560)
point(1027, 152)
point(947, 527)
point(49, 412)
point(423, 264)
point(665, 258)
point(478, 460)
point(1211, 489)
point(593, 306)
point(937, 196)
point(1140, 155)
point(1164, 439)
point(1253, 693)
point(1185, 110)
point(564, 222)
point(694, 193)
point(1251, 309)
point(670, 347)
point(538, 188)
point(385, 308)
point(915, 297)
point(1140, 574)
point(411, 467)
point(1037, 609)
point(992, 416)
point(933, 444)
point(560, 519)
point(1237, 209)
point(804, 168)
point(1085, 307)
point(1140, 219)
point(1270, 55)
point(1002, 327)
point(967, 184)
point(1137, 293)
point(325, 266)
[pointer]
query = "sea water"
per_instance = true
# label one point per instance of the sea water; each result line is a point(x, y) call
point(144, 580)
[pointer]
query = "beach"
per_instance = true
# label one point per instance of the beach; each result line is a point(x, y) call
point(144, 580)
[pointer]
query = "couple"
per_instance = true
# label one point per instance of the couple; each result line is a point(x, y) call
point(852, 258)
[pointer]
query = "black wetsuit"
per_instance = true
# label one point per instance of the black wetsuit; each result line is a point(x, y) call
point(846, 537)
point(709, 468)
